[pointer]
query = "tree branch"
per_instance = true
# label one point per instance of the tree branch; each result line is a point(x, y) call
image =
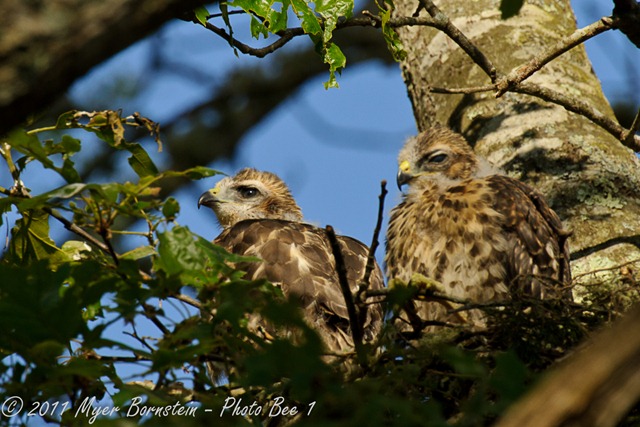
point(445, 25)
point(582, 108)
point(285, 37)
point(371, 257)
point(352, 311)
point(629, 139)
point(524, 71)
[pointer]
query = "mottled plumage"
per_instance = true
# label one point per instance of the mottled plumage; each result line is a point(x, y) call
point(482, 235)
point(260, 218)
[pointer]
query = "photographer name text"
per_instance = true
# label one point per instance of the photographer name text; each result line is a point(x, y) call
point(91, 409)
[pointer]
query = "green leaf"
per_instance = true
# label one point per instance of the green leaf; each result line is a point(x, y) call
point(336, 60)
point(170, 209)
point(70, 145)
point(394, 44)
point(64, 192)
point(224, 10)
point(258, 29)
point(30, 145)
point(334, 9)
point(310, 22)
point(34, 311)
point(139, 253)
point(75, 250)
point(509, 8)
point(65, 120)
point(140, 161)
point(178, 251)
point(30, 239)
point(195, 173)
point(201, 13)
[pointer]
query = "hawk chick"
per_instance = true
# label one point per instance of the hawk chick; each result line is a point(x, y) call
point(482, 235)
point(260, 218)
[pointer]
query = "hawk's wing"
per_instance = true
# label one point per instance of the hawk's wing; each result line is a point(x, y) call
point(298, 258)
point(540, 248)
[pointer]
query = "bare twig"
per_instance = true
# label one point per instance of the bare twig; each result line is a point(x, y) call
point(633, 130)
point(371, 257)
point(582, 108)
point(352, 311)
point(140, 339)
point(524, 71)
point(231, 12)
point(285, 37)
point(462, 90)
point(119, 359)
point(75, 229)
point(188, 300)
point(602, 270)
point(149, 313)
point(105, 233)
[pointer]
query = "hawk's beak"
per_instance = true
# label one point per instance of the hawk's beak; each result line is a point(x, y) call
point(208, 198)
point(404, 174)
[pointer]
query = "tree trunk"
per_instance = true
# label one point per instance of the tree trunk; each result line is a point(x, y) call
point(588, 176)
point(46, 45)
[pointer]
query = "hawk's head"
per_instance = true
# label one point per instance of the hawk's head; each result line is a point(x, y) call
point(251, 194)
point(437, 153)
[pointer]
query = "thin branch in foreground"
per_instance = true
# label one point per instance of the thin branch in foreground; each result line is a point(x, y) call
point(150, 314)
point(75, 229)
point(188, 300)
point(524, 71)
point(356, 330)
point(371, 257)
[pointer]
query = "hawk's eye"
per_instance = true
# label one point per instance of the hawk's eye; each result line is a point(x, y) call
point(438, 158)
point(247, 192)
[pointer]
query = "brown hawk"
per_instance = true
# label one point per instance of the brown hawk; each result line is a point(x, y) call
point(260, 218)
point(482, 235)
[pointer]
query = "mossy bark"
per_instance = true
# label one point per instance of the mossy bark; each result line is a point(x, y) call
point(589, 177)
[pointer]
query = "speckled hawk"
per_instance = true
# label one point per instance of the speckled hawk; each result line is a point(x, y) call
point(482, 235)
point(260, 218)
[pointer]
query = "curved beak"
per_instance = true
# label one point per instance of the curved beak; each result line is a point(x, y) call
point(207, 199)
point(404, 174)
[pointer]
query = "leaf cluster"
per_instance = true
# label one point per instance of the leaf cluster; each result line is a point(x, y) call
point(162, 315)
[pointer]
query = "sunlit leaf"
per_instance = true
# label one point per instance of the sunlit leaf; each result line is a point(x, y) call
point(310, 22)
point(139, 252)
point(201, 13)
point(198, 172)
point(391, 35)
